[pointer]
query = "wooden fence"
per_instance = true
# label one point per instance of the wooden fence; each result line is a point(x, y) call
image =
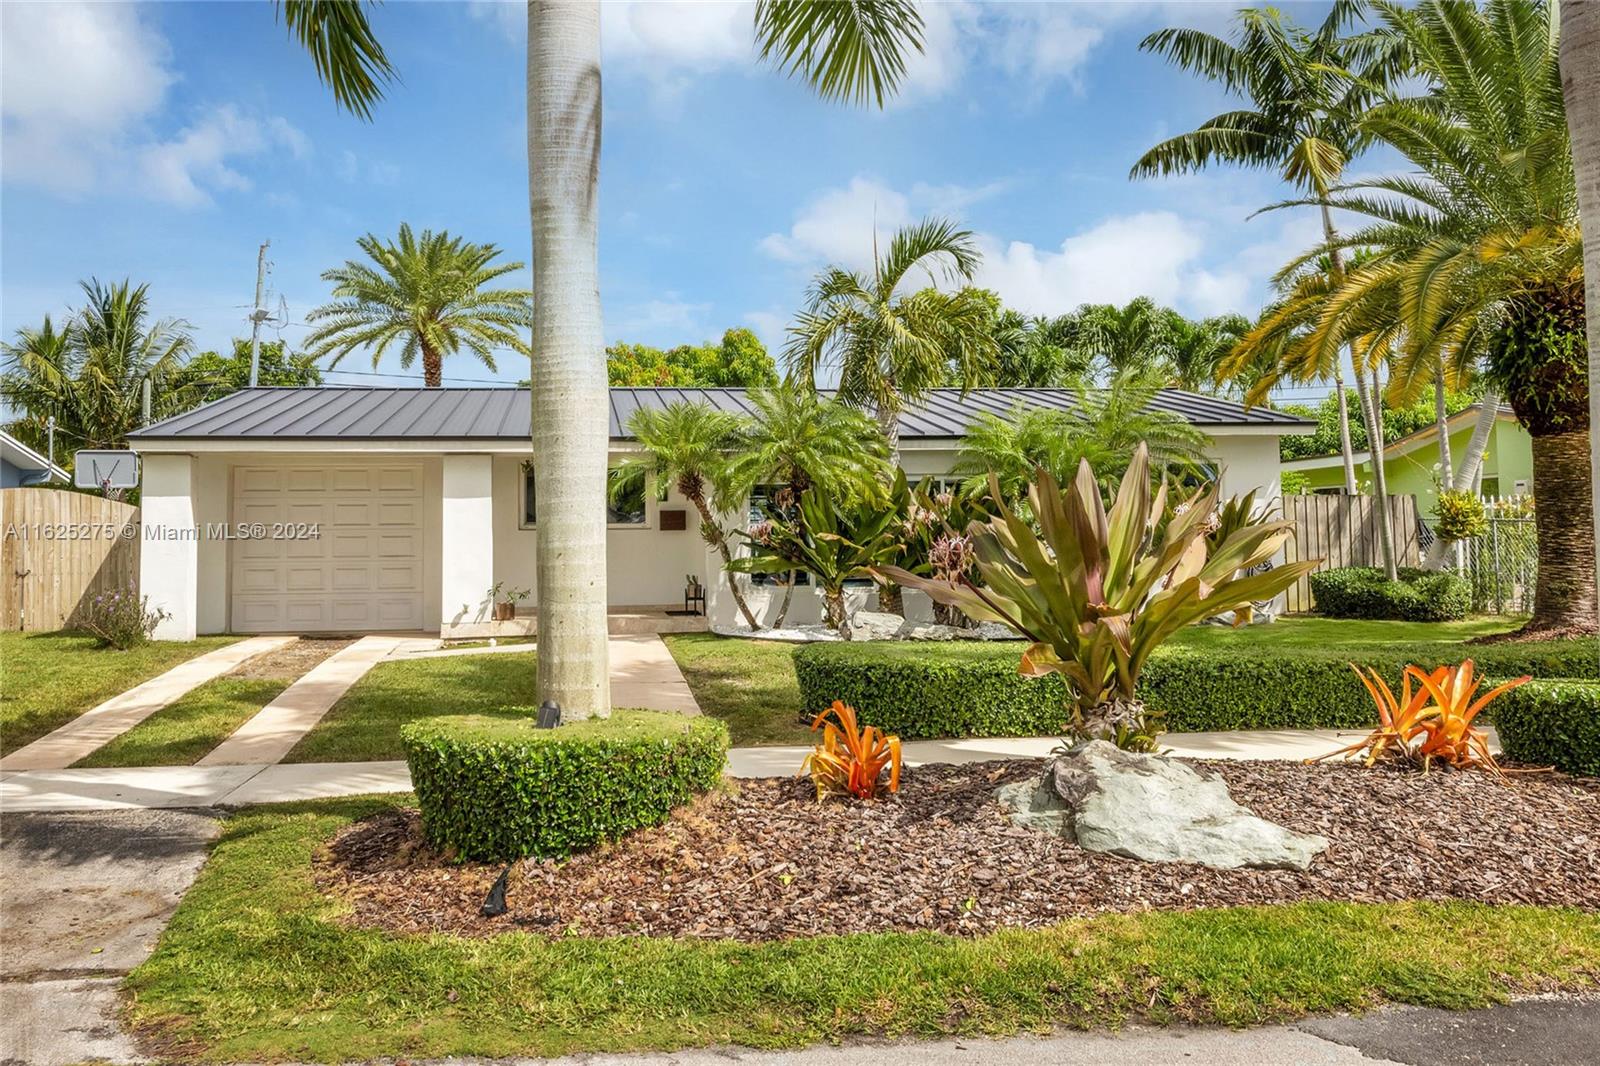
point(59, 550)
point(1343, 531)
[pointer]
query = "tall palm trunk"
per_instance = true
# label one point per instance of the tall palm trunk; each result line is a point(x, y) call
point(1564, 601)
point(1337, 264)
point(1441, 422)
point(1465, 474)
point(890, 598)
point(713, 534)
point(432, 367)
point(1372, 417)
point(1580, 84)
point(570, 402)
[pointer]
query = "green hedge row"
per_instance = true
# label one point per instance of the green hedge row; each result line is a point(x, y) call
point(1363, 592)
point(497, 789)
point(973, 690)
point(1551, 723)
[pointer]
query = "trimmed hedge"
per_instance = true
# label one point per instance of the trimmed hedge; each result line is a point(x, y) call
point(1552, 723)
point(920, 690)
point(498, 789)
point(1363, 592)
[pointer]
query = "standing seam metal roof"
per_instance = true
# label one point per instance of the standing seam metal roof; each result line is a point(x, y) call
point(341, 412)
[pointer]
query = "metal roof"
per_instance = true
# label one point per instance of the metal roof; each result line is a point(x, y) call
point(352, 412)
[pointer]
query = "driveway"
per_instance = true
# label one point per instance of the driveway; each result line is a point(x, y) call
point(83, 897)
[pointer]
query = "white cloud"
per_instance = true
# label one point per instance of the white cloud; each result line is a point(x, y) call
point(668, 320)
point(1160, 254)
point(79, 85)
point(771, 326)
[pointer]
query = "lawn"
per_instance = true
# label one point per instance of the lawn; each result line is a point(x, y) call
point(365, 723)
point(258, 966)
point(180, 733)
point(48, 679)
point(749, 684)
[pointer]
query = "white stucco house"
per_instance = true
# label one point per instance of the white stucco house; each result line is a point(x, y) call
point(358, 509)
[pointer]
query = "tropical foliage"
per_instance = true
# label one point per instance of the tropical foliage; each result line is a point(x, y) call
point(851, 759)
point(890, 345)
point(426, 295)
point(739, 361)
point(91, 374)
point(1097, 592)
point(212, 374)
point(801, 441)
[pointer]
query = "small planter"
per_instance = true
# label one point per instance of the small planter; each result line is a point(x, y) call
point(505, 612)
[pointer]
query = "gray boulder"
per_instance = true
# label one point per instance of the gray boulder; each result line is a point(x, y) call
point(1152, 808)
point(874, 625)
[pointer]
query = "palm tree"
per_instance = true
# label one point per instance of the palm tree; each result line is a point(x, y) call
point(892, 347)
point(688, 445)
point(1105, 431)
point(91, 375)
point(1482, 247)
point(1107, 340)
point(853, 52)
point(1580, 80)
point(427, 294)
point(801, 443)
point(1196, 349)
point(1303, 121)
point(347, 55)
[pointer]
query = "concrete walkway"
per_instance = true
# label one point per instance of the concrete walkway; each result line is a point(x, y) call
point(644, 674)
point(100, 725)
point(197, 786)
point(278, 727)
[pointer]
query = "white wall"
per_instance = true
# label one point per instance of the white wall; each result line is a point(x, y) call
point(169, 553)
point(1248, 462)
point(466, 542)
point(646, 565)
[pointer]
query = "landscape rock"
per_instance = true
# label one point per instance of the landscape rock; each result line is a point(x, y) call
point(874, 625)
point(1152, 808)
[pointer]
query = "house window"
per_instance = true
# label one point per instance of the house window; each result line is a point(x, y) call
point(763, 507)
point(1491, 486)
point(626, 510)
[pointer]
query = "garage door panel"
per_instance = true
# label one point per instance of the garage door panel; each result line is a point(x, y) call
point(364, 569)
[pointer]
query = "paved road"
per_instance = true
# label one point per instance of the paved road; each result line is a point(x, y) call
point(83, 897)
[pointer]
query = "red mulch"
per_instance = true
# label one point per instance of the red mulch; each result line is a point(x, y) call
point(764, 861)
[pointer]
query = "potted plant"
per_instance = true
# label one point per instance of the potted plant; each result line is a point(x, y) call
point(505, 600)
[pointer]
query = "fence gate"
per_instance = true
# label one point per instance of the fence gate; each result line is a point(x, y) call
point(59, 550)
point(1502, 565)
point(1343, 531)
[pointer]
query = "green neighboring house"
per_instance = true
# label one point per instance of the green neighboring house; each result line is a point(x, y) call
point(1412, 462)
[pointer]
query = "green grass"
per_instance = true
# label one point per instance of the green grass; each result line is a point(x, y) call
point(365, 723)
point(256, 966)
point(180, 733)
point(48, 679)
point(749, 684)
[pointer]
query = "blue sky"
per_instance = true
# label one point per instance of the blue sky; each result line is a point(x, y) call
point(163, 142)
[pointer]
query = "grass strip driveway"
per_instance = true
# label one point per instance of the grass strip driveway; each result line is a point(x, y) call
point(48, 679)
point(258, 966)
point(365, 723)
point(180, 733)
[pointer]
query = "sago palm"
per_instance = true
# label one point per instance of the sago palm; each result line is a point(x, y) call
point(1481, 244)
point(688, 446)
point(426, 294)
point(90, 375)
point(893, 343)
point(1304, 92)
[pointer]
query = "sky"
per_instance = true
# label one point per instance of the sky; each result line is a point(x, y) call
point(165, 142)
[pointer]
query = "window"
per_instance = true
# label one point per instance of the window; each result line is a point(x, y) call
point(628, 510)
point(1491, 486)
point(762, 507)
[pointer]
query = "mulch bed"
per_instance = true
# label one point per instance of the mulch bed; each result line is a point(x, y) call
point(764, 861)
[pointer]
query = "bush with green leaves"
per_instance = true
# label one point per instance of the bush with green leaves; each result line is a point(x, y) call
point(121, 618)
point(1552, 722)
point(1459, 515)
point(494, 789)
point(971, 689)
point(1418, 596)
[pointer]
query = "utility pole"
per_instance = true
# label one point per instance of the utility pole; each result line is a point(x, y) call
point(258, 315)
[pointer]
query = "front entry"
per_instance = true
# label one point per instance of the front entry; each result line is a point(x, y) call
point(327, 548)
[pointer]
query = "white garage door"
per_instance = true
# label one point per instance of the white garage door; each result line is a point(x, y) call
point(362, 572)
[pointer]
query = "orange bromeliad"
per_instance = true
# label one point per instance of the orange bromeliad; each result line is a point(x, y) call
point(1439, 714)
point(850, 758)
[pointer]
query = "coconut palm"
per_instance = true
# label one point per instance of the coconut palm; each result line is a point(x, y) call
point(1580, 80)
point(91, 374)
point(347, 55)
point(892, 346)
point(426, 294)
point(1106, 430)
point(1306, 92)
point(1482, 247)
point(688, 445)
point(853, 52)
point(1196, 350)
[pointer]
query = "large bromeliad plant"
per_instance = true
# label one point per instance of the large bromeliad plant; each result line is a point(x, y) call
point(1097, 592)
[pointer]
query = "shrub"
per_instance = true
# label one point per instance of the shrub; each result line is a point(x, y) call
point(922, 690)
point(1419, 595)
point(121, 618)
point(495, 789)
point(1553, 722)
point(1459, 516)
point(851, 759)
